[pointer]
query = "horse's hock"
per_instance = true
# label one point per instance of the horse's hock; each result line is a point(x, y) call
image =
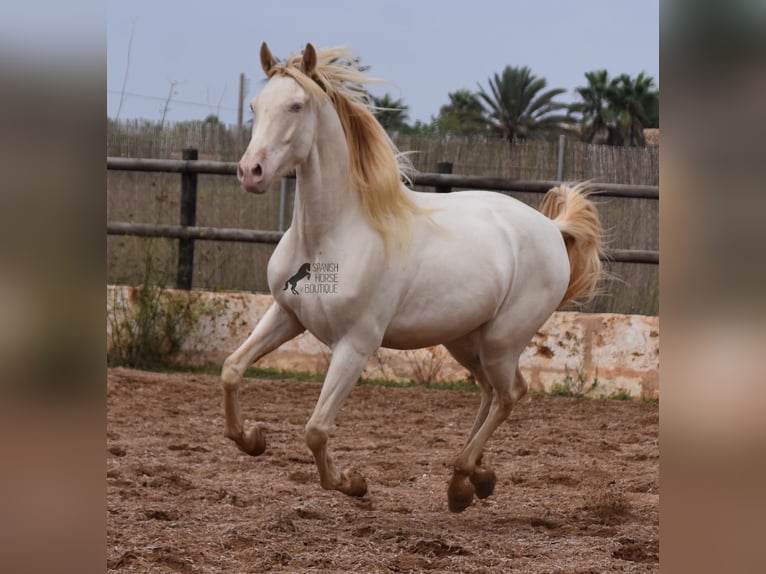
point(595, 353)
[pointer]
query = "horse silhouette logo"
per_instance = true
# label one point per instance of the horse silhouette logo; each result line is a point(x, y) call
point(303, 272)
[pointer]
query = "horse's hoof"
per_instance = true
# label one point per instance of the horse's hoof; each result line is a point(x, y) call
point(484, 481)
point(459, 493)
point(353, 484)
point(253, 442)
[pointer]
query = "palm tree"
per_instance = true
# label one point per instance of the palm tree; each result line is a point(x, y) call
point(519, 106)
point(463, 115)
point(392, 114)
point(598, 121)
point(634, 100)
point(616, 111)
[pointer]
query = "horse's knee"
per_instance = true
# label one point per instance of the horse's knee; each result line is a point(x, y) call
point(231, 373)
point(519, 387)
point(316, 437)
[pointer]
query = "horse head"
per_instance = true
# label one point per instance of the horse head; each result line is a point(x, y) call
point(284, 124)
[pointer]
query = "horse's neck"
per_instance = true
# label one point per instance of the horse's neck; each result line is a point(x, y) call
point(323, 197)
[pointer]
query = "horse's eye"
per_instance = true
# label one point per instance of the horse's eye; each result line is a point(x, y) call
point(296, 107)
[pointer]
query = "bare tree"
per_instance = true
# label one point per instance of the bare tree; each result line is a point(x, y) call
point(166, 107)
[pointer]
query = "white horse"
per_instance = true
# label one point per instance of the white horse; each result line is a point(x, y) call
point(476, 271)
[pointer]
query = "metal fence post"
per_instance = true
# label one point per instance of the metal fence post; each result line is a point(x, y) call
point(188, 218)
point(560, 165)
point(443, 167)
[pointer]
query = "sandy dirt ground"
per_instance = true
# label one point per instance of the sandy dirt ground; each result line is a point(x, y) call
point(577, 490)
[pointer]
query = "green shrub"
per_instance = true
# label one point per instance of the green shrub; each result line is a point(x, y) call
point(149, 326)
point(621, 395)
point(577, 386)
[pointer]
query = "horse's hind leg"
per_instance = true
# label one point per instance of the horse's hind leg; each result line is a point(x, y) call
point(466, 352)
point(468, 477)
point(276, 327)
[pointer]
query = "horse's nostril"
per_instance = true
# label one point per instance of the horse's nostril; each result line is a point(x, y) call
point(240, 172)
point(257, 170)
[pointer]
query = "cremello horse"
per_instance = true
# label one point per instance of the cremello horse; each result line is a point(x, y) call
point(475, 271)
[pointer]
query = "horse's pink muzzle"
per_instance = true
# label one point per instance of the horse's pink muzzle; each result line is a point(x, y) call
point(252, 178)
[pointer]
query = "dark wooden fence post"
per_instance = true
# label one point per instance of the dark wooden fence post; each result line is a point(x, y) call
point(188, 219)
point(443, 167)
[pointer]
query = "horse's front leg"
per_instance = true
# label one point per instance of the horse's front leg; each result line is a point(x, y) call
point(275, 327)
point(345, 368)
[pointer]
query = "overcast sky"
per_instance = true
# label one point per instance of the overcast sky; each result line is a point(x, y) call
point(425, 48)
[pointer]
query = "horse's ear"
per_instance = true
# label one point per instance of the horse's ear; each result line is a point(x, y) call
point(267, 60)
point(309, 62)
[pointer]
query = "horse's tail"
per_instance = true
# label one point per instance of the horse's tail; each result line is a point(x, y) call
point(577, 218)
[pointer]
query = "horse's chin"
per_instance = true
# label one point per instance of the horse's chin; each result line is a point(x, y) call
point(256, 189)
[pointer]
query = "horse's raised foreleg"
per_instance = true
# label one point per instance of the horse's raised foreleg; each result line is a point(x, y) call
point(276, 327)
point(345, 368)
point(468, 478)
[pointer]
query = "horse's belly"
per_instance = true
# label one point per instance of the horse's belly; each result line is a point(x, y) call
point(439, 321)
point(417, 339)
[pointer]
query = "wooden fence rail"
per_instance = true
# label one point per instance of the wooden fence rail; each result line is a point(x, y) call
point(258, 236)
point(188, 232)
point(439, 180)
point(193, 232)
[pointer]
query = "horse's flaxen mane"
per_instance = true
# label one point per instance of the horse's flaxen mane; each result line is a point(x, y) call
point(376, 166)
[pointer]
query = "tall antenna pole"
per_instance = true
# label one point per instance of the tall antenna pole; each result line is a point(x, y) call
point(239, 110)
point(127, 69)
point(166, 107)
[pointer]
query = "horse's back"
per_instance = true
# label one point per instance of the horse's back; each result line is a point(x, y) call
point(488, 228)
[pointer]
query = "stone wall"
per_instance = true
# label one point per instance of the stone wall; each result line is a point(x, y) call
point(619, 352)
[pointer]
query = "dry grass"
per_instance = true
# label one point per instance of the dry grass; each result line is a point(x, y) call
point(427, 365)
